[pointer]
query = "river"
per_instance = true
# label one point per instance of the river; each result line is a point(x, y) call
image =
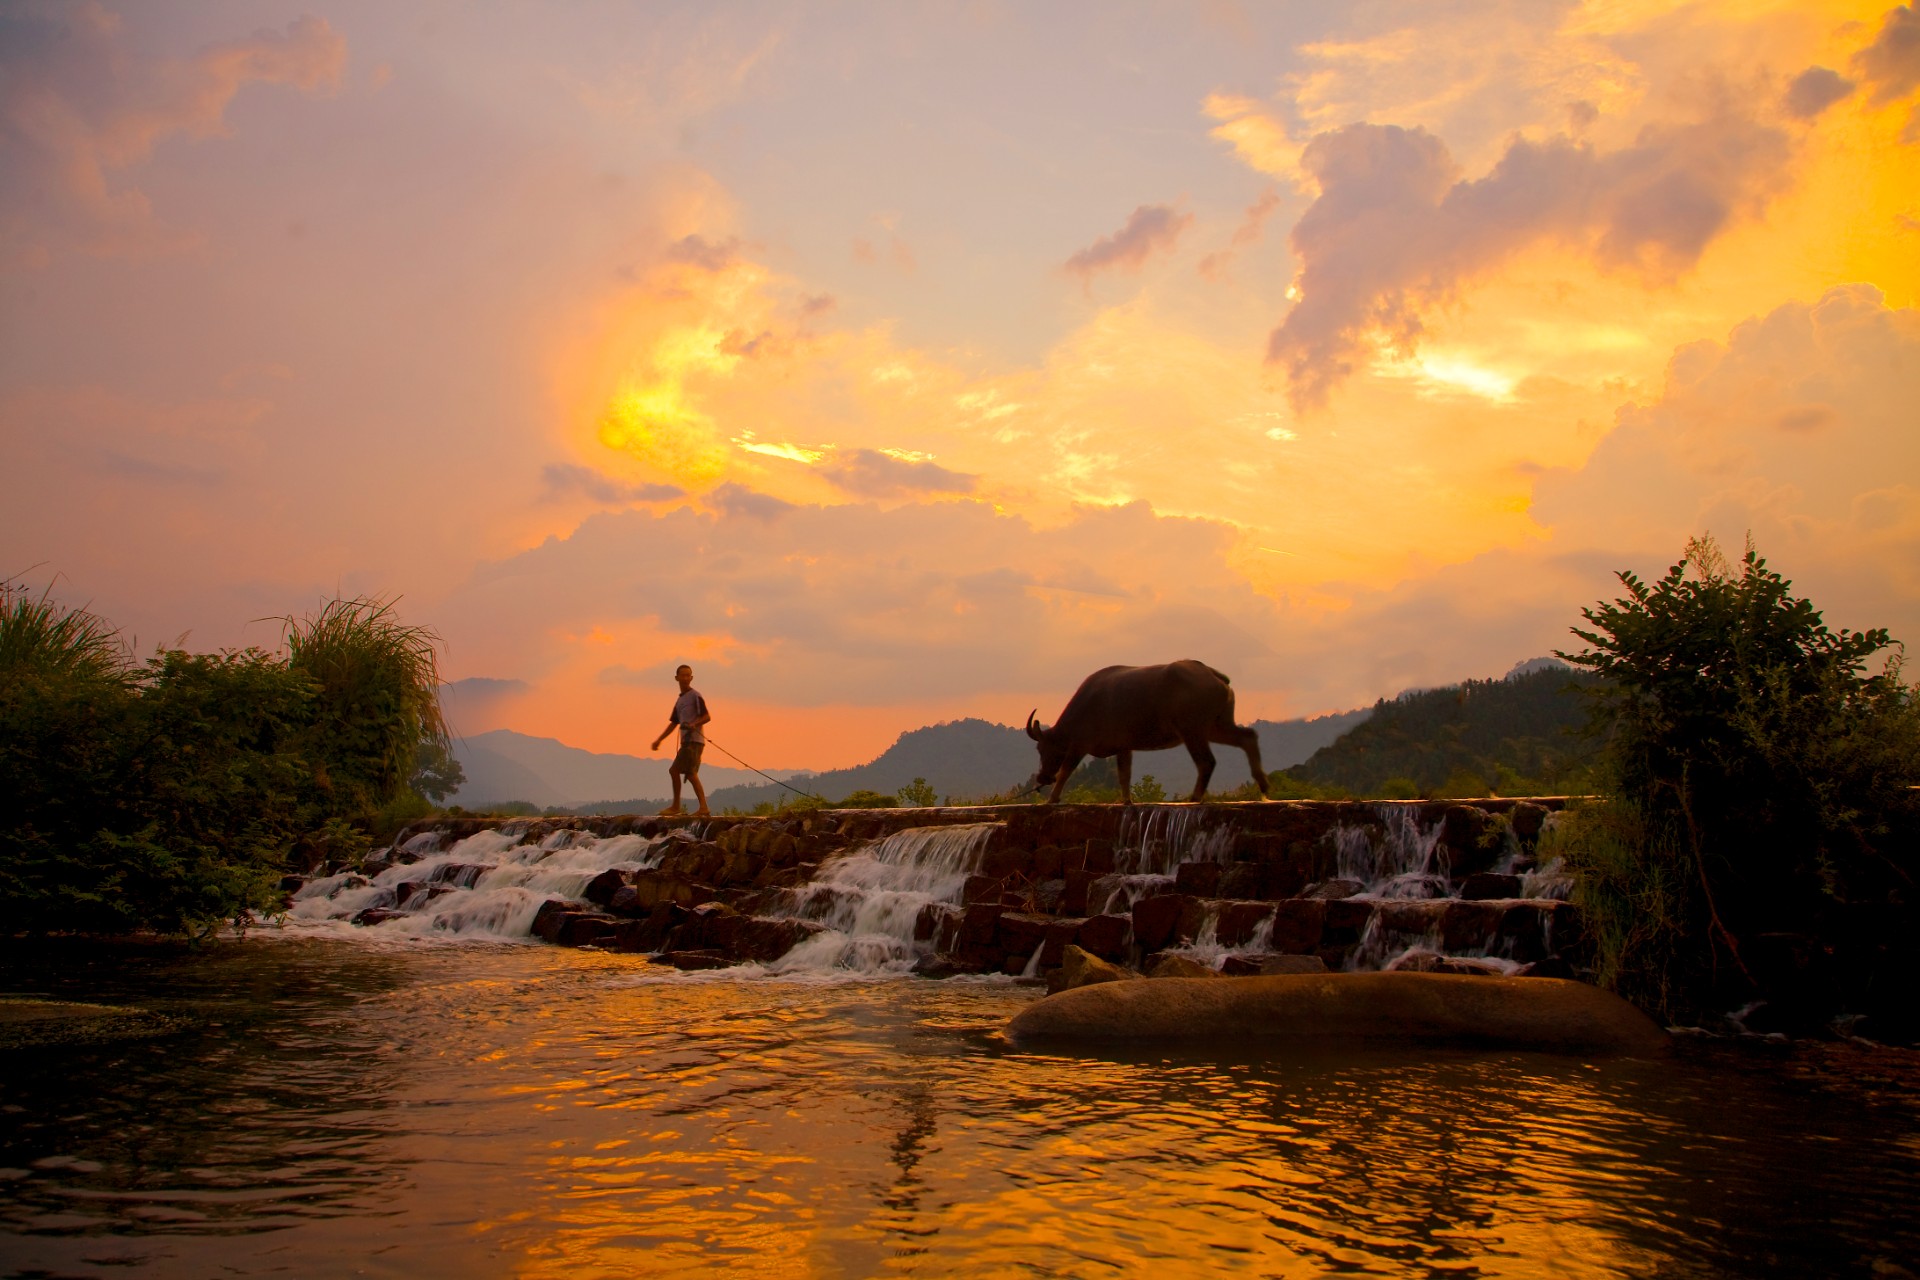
point(316, 1106)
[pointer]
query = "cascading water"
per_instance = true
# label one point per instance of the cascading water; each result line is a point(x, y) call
point(1405, 862)
point(1153, 841)
point(870, 899)
point(487, 886)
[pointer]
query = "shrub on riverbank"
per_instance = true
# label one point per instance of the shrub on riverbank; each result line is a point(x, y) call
point(1758, 840)
point(171, 795)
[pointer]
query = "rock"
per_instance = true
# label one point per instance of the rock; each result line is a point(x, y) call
point(546, 921)
point(1243, 880)
point(1155, 920)
point(1198, 879)
point(1081, 968)
point(1333, 890)
point(1179, 966)
point(292, 884)
point(1527, 820)
point(697, 960)
point(1099, 856)
point(1433, 962)
point(981, 889)
point(1344, 921)
point(1073, 897)
point(1105, 936)
point(934, 965)
point(581, 928)
point(1404, 1008)
point(1297, 923)
point(1482, 886)
point(601, 888)
point(1237, 922)
point(1020, 933)
point(766, 939)
point(626, 902)
point(1471, 926)
point(376, 915)
point(977, 926)
point(1270, 965)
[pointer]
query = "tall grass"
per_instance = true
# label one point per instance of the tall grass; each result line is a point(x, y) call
point(377, 698)
point(40, 637)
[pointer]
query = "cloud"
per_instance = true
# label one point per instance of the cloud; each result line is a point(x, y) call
point(1891, 64)
point(739, 501)
point(565, 480)
point(708, 255)
point(1814, 90)
point(1151, 229)
point(1396, 231)
point(872, 473)
point(1252, 225)
point(76, 106)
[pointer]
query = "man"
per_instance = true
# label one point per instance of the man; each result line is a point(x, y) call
point(689, 713)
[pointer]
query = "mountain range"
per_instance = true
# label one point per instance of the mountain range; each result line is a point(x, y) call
point(961, 759)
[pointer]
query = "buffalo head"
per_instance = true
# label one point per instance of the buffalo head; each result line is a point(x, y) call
point(1053, 753)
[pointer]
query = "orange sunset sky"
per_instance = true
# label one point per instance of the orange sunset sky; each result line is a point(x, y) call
point(897, 363)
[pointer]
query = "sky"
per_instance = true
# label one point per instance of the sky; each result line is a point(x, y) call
point(897, 363)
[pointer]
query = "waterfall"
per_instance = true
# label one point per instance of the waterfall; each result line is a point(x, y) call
point(487, 886)
point(871, 899)
point(1405, 863)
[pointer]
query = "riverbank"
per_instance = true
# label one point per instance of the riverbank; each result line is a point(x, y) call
point(367, 1104)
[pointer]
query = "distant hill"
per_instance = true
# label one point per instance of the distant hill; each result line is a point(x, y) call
point(1515, 735)
point(502, 765)
point(966, 759)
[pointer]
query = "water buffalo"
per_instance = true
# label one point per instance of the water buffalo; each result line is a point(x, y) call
point(1117, 711)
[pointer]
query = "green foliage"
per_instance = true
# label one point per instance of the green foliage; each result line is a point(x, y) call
point(1769, 781)
point(917, 795)
point(376, 701)
point(1522, 731)
point(1285, 784)
point(1148, 790)
point(437, 773)
point(864, 799)
point(171, 796)
point(1633, 891)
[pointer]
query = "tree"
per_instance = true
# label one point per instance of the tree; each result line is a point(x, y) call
point(1761, 780)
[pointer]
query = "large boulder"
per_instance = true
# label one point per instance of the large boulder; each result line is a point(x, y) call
point(1179, 966)
point(1081, 968)
point(1395, 1008)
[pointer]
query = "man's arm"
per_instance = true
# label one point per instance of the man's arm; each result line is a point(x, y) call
point(663, 736)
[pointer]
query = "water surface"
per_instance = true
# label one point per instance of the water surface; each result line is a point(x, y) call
point(334, 1107)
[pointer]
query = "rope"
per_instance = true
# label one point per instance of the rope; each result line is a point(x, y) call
point(769, 777)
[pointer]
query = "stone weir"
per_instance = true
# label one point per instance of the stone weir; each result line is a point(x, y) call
point(1449, 887)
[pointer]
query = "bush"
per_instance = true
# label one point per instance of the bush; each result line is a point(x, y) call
point(864, 799)
point(1148, 790)
point(1764, 784)
point(170, 796)
point(917, 795)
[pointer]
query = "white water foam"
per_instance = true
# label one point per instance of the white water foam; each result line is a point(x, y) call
point(870, 899)
point(488, 886)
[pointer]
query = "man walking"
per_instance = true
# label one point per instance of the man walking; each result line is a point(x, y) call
point(689, 713)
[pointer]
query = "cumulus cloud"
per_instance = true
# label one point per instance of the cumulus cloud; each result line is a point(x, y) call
point(1150, 230)
point(873, 473)
point(569, 480)
point(1891, 64)
point(1397, 230)
point(1814, 90)
point(738, 501)
point(708, 255)
point(76, 107)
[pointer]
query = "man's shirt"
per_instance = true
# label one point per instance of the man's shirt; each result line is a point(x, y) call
point(687, 709)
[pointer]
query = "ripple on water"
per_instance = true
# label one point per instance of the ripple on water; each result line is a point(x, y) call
point(473, 1110)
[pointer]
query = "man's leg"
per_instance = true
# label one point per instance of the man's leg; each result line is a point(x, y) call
point(699, 791)
point(675, 806)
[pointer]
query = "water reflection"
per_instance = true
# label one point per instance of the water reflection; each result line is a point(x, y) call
point(487, 1110)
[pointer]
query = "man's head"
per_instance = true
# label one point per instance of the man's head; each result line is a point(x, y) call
point(684, 674)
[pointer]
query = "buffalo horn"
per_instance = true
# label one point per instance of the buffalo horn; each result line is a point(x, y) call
point(1033, 729)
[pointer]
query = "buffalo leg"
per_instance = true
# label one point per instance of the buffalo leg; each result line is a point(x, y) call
point(1123, 765)
point(1060, 780)
point(1203, 765)
point(1248, 740)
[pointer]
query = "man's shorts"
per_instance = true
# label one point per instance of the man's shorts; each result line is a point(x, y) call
point(687, 759)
